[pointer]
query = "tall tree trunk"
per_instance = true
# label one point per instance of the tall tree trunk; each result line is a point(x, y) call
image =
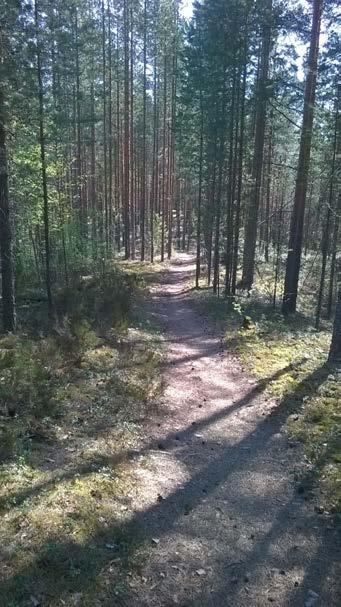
point(155, 175)
point(211, 210)
point(7, 276)
point(79, 177)
point(126, 196)
point(171, 147)
point(240, 177)
point(297, 217)
point(110, 134)
point(231, 188)
point(43, 165)
point(216, 251)
point(278, 242)
point(201, 146)
point(257, 164)
point(163, 195)
point(326, 231)
point(118, 193)
point(93, 201)
point(333, 258)
point(267, 201)
point(143, 176)
point(131, 139)
point(105, 143)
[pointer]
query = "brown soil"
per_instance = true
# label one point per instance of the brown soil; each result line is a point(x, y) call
point(217, 494)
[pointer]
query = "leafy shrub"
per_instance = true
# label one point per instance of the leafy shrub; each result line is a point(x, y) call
point(104, 299)
point(27, 378)
point(34, 372)
point(74, 336)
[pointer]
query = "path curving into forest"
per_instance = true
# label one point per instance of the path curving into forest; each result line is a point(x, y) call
point(218, 500)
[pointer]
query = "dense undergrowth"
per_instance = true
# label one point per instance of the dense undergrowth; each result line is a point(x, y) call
point(72, 401)
point(289, 358)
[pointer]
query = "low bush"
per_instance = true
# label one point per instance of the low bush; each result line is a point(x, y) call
point(35, 371)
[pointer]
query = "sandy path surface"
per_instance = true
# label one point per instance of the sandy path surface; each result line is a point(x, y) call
point(218, 500)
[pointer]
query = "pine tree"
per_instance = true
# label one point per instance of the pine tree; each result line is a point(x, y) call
point(297, 217)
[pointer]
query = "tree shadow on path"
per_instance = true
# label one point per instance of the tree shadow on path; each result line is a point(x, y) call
point(160, 519)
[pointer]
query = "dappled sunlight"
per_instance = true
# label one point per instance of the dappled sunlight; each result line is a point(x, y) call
point(74, 481)
point(117, 515)
point(170, 303)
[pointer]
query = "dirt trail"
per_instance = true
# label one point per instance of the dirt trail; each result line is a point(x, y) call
point(217, 494)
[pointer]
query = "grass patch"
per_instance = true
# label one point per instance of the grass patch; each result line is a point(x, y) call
point(72, 404)
point(290, 358)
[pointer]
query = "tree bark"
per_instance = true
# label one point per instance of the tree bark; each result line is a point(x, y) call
point(326, 231)
point(297, 216)
point(335, 346)
point(240, 176)
point(8, 297)
point(257, 164)
point(201, 146)
point(126, 176)
point(43, 167)
point(143, 176)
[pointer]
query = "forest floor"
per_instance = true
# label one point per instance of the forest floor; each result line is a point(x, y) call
point(186, 499)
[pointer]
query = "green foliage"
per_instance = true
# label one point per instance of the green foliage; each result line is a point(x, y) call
point(27, 379)
point(69, 482)
point(104, 299)
point(34, 372)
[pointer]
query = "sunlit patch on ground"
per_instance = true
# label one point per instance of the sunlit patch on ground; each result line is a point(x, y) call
point(290, 357)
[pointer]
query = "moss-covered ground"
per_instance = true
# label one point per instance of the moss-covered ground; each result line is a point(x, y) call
point(72, 404)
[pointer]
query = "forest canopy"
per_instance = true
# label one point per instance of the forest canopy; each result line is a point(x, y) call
point(128, 130)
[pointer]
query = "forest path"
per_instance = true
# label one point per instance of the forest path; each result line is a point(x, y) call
point(217, 495)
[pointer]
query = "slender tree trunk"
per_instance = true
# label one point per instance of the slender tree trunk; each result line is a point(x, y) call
point(326, 231)
point(257, 165)
point(267, 202)
point(216, 259)
point(143, 177)
point(201, 147)
point(43, 165)
point(297, 217)
point(93, 163)
point(110, 134)
point(216, 252)
point(79, 177)
point(333, 258)
point(105, 143)
point(126, 198)
point(155, 176)
point(7, 275)
point(132, 147)
point(240, 177)
point(231, 189)
point(278, 246)
point(118, 197)
point(171, 147)
point(163, 195)
point(209, 238)
point(335, 346)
